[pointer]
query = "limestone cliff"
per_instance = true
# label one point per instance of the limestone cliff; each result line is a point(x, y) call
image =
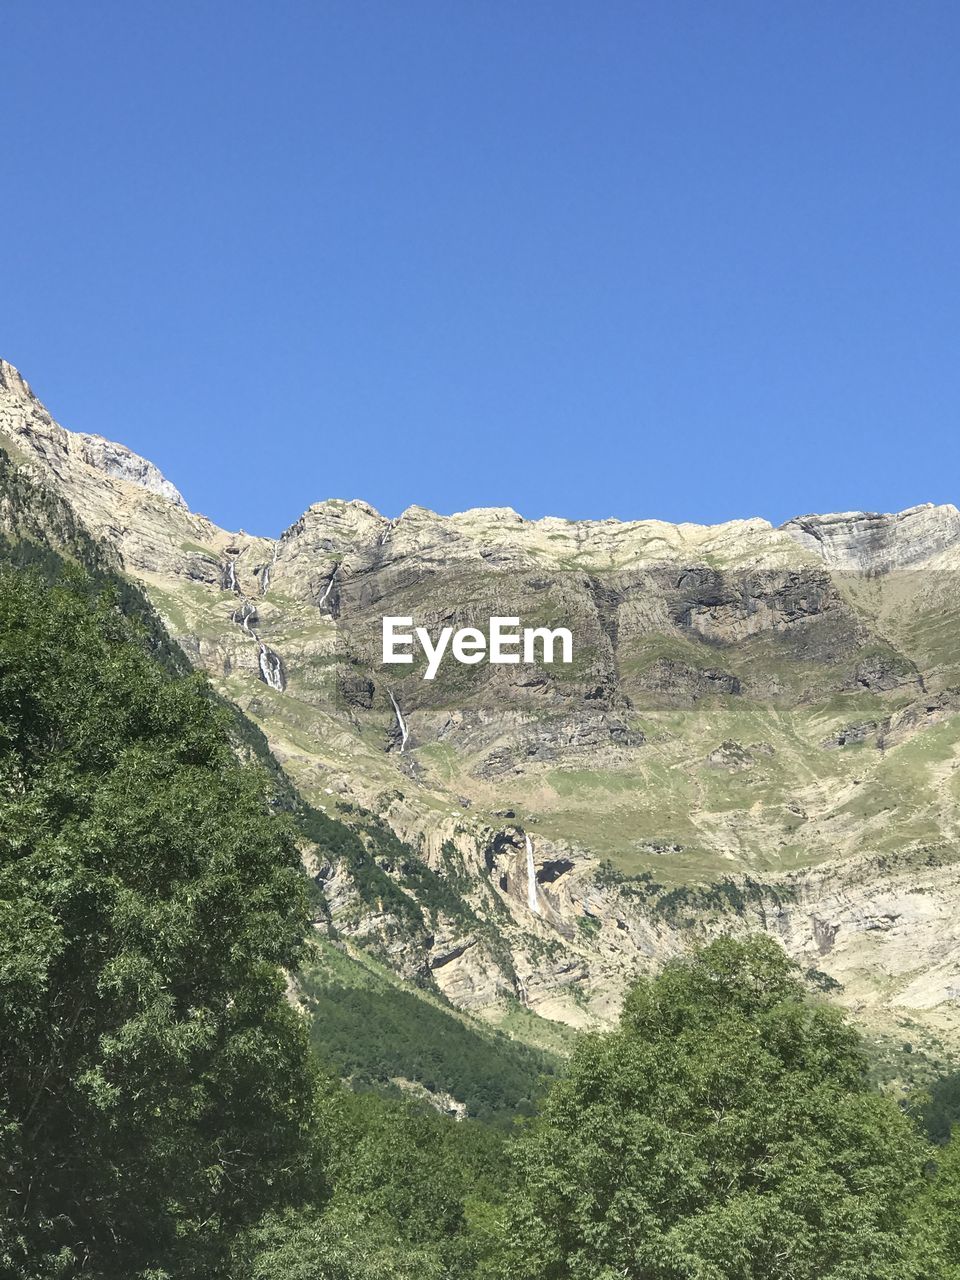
point(760, 726)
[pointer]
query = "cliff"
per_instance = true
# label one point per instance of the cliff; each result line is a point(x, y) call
point(759, 729)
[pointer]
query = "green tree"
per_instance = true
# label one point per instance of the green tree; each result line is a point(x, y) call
point(401, 1179)
point(936, 1217)
point(155, 1087)
point(725, 1131)
point(938, 1107)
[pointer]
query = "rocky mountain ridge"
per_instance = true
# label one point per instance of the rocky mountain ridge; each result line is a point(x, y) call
point(759, 728)
point(922, 536)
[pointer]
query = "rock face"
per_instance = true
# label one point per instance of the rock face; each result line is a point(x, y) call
point(760, 727)
point(116, 460)
point(119, 496)
point(867, 542)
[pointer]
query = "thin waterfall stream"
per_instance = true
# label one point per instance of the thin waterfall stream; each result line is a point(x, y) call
point(531, 878)
point(329, 587)
point(401, 723)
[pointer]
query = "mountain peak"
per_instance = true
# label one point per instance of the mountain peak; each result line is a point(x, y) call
point(31, 429)
point(11, 379)
point(122, 463)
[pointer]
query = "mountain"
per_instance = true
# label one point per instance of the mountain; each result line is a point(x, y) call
point(759, 729)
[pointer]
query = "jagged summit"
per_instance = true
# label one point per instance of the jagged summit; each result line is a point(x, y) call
point(11, 379)
point(104, 455)
point(860, 541)
point(117, 460)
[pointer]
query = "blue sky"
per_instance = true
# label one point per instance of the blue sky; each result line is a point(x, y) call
point(683, 260)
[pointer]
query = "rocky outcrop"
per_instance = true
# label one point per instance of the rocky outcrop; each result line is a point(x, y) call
point(438, 1099)
point(120, 497)
point(116, 460)
point(868, 542)
point(680, 683)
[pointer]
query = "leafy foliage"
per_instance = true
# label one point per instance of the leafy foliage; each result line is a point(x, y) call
point(940, 1109)
point(386, 872)
point(936, 1218)
point(410, 1199)
point(726, 1129)
point(373, 1034)
point(39, 532)
point(336, 840)
point(149, 901)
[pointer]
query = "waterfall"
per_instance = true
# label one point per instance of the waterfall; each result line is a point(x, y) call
point(328, 588)
point(401, 723)
point(265, 575)
point(244, 616)
point(531, 878)
point(228, 577)
point(271, 669)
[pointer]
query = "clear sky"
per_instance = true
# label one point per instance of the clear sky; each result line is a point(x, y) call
point(651, 258)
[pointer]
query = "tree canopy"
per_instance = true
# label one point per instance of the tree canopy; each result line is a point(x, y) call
point(726, 1130)
point(156, 1091)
